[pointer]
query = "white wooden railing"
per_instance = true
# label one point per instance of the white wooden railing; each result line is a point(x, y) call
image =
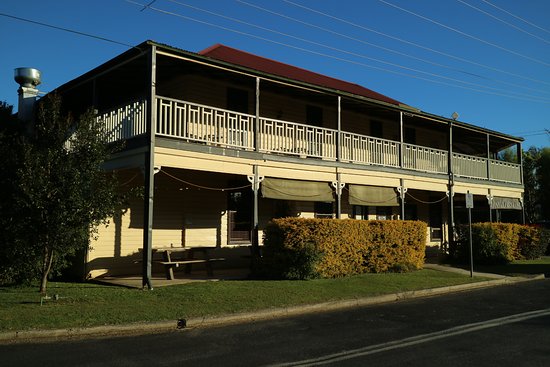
point(206, 124)
point(125, 122)
point(216, 126)
point(469, 166)
point(368, 150)
point(505, 171)
point(425, 159)
point(278, 136)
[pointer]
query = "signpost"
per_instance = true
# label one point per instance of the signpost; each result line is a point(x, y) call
point(469, 206)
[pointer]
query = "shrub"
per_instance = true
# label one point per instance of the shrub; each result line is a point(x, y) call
point(497, 243)
point(297, 248)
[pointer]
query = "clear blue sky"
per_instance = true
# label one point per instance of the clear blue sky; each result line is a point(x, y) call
point(508, 58)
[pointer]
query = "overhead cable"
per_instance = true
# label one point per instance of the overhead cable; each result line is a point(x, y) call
point(66, 30)
point(465, 34)
point(509, 93)
point(503, 21)
point(489, 67)
point(391, 50)
point(515, 16)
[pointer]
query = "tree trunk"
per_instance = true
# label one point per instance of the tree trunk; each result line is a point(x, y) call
point(46, 266)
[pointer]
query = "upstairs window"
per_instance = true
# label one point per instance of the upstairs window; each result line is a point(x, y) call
point(237, 100)
point(314, 116)
point(376, 129)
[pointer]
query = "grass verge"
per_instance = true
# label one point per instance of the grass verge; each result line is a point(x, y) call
point(518, 267)
point(84, 304)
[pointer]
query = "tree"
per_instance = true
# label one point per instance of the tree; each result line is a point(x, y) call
point(536, 178)
point(54, 191)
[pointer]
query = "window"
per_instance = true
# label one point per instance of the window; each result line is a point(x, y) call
point(409, 135)
point(360, 212)
point(376, 129)
point(314, 116)
point(383, 212)
point(237, 100)
point(411, 212)
point(323, 210)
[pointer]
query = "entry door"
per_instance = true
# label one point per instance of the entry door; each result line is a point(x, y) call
point(436, 231)
point(239, 226)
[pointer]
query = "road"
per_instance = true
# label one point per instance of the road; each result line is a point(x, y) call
point(500, 326)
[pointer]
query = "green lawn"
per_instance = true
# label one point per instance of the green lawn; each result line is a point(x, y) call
point(519, 267)
point(88, 304)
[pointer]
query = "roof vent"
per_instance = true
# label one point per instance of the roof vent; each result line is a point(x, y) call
point(27, 77)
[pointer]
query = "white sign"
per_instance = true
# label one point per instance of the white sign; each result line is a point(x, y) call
point(469, 200)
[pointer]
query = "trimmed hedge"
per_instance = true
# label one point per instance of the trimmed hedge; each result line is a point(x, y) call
point(497, 243)
point(298, 248)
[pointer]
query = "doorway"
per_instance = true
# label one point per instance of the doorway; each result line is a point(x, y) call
point(239, 214)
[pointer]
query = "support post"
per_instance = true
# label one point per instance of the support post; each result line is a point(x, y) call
point(338, 186)
point(255, 180)
point(149, 175)
point(339, 136)
point(520, 161)
point(401, 140)
point(450, 191)
point(257, 122)
point(490, 201)
point(402, 194)
point(488, 159)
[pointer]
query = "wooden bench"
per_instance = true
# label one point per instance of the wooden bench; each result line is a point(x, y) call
point(188, 261)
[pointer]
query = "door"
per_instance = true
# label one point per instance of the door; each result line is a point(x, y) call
point(239, 226)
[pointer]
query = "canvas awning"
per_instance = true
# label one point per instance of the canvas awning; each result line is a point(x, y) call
point(505, 203)
point(282, 189)
point(373, 195)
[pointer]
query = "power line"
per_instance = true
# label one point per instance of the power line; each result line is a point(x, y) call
point(389, 49)
point(515, 16)
point(66, 30)
point(416, 44)
point(465, 34)
point(542, 99)
point(327, 55)
point(503, 21)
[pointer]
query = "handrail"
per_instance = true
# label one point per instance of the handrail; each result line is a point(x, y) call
point(216, 126)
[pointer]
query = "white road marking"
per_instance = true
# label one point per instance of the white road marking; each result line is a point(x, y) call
point(418, 339)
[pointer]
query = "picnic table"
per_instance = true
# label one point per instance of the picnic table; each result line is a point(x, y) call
point(170, 262)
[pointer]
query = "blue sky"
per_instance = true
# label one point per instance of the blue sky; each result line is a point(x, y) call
point(494, 72)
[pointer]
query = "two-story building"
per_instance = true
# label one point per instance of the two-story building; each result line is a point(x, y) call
point(224, 140)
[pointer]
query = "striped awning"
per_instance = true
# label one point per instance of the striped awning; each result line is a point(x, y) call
point(373, 195)
point(283, 189)
point(506, 203)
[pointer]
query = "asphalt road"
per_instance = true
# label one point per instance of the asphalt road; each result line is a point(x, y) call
point(500, 326)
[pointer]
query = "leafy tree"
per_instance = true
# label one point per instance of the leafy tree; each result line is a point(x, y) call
point(536, 178)
point(54, 191)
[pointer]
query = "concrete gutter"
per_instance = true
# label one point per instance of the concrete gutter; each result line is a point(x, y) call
point(37, 336)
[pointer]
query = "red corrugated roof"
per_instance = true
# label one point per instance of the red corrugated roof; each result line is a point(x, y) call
point(242, 58)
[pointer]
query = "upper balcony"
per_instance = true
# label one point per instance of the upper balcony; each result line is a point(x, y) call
point(204, 124)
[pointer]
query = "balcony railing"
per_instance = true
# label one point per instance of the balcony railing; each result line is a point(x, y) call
point(215, 126)
point(125, 122)
point(278, 136)
point(425, 159)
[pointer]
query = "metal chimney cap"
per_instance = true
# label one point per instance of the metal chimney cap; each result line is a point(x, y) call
point(27, 77)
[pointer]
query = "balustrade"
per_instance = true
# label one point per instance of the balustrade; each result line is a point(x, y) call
point(216, 126)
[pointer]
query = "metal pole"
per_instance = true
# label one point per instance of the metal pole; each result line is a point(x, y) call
point(255, 180)
point(488, 158)
point(339, 142)
point(401, 139)
point(149, 177)
point(402, 194)
point(338, 197)
point(451, 188)
point(470, 243)
point(257, 124)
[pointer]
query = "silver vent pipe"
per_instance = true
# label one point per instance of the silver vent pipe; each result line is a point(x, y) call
point(28, 79)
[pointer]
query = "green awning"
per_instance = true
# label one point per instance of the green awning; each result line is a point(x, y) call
point(282, 189)
point(373, 196)
point(506, 203)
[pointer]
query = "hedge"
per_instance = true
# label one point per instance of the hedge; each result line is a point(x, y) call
point(298, 248)
point(495, 243)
